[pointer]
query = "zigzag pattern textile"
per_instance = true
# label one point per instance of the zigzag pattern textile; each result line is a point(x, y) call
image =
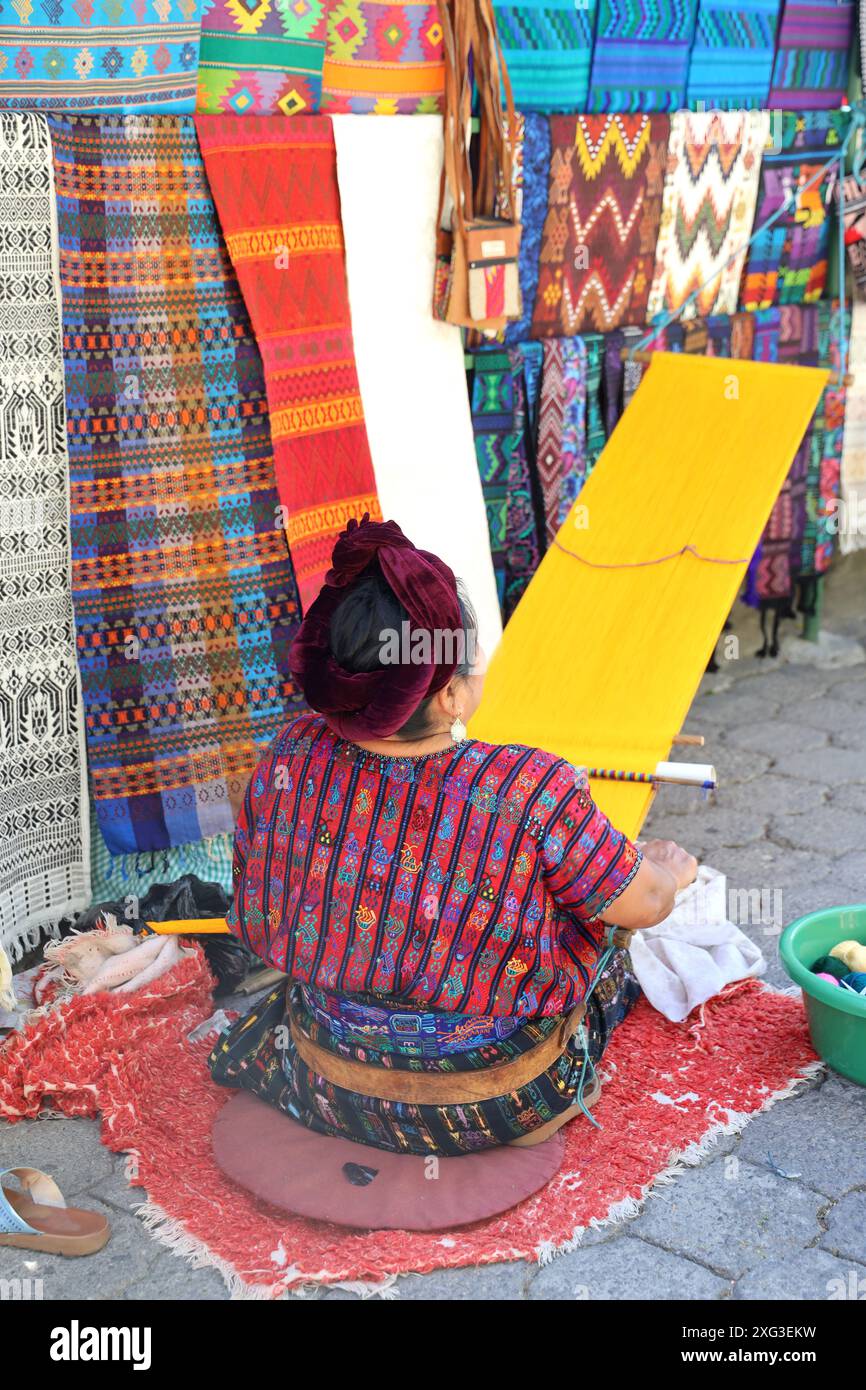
point(185, 601)
point(732, 56)
point(275, 187)
point(261, 57)
point(607, 175)
point(547, 46)
point(641, 57)
point(787, 263)
point(708, 210)
point(561, 451)
point(811, 67)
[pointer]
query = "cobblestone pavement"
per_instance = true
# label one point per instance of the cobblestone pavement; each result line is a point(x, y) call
point(789, 743)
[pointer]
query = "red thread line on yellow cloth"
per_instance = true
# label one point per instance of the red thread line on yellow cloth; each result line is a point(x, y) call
point(640, 564)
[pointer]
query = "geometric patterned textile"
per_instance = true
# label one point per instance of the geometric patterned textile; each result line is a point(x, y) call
point(44, 869)
point(811, 68)
point(854, 191)
point(607, 174)
point(641, 56)
point(494, 388)
point(852, 514)
point(524, 516)
point(596, 438)
point(547, 47)
point(708, 209)
point(261, 57)
point(562, 429)
point(275, 187)
point(139, 55)
point(732, 55)
point(384, 58)
point(531, 167)
point(185, 602)
point(787, 263)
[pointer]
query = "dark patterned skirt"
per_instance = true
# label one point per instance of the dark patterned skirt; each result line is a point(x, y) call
point(257, 1054)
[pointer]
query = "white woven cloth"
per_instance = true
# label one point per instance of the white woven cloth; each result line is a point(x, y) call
point(694, 952)
point(410, 367)
point(44, 827)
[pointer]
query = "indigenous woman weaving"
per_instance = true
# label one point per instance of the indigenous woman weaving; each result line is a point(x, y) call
point(440, 905)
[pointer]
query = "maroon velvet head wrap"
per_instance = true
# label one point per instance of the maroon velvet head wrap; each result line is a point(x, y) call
point(375, 704)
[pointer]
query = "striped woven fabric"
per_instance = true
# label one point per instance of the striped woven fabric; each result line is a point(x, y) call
point(641, 57)
point(140, 55)
point(607, 174)
point(547, 46)
point(260, 58)
point(493, 424)
point(118, 876)
point(184, 596)
point(524, 516)
point(275, 187)
point(531, 171)
point(811, 68)
point(732, 56)
point(384, 58)
point(708, 209)
point(787, 263)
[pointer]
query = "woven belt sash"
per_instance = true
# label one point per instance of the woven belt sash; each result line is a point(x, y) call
point(436, 1088)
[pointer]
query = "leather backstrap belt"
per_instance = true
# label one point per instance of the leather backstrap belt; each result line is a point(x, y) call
point(435, 1088)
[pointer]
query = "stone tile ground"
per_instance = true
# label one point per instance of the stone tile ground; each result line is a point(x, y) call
point(779, 1212)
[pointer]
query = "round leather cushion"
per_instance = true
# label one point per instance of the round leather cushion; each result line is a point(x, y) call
point(330, 1179)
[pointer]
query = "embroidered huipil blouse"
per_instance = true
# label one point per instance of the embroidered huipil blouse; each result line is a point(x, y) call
point(469, 881)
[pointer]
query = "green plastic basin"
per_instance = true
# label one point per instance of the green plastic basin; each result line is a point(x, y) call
point(837, 1018)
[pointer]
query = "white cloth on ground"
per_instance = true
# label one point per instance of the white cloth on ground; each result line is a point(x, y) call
point(694, 952)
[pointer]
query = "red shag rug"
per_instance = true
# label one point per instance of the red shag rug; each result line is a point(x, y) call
point(670, 1089)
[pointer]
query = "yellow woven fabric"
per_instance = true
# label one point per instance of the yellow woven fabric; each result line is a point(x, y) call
point(600, 665)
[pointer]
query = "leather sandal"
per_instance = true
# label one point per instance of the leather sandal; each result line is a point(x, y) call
point(37, 1217)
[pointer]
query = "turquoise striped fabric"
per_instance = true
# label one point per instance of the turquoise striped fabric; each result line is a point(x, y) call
point(641, 57)
point(732, 56)
point(547, 45)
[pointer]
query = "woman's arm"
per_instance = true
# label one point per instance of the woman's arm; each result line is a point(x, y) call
point(665, 869)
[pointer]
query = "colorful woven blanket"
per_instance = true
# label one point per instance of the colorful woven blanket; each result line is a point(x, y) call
point(184, 596)
point(607, 174)
point(44, 869)
point(547, 46)
point(811, 68)
point(261, 57)
point(787, 263)
point(275, 187)
point(383, 58)
point(141, 55)
point(708, 209)
point(732, 55)
point(641, 56)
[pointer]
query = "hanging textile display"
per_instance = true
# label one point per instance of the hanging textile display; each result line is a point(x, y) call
point(141, 55)
point(261, 57)
point(598, 245)
point(530, 170)
point(708, 209)
point(118, 876)
point(787, 263)
point(275, 187)
point(493, 424)
point(732, 56)
point(383, 58)
point(184, 596)
point(595, 435)
point(44, 836)
point(822, 480)
point(811, 67)
point(852, 483)
point(794, 338)
point(854, 193)
point(547, 46)
point(620, 375)
point(523, 546)
point(647, 570)
point(640, 60)
point(415, 401)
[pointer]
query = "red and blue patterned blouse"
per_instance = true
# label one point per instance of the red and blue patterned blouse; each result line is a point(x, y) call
point(468, 881)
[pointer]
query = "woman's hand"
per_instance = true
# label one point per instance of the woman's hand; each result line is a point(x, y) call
point(671, 856)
